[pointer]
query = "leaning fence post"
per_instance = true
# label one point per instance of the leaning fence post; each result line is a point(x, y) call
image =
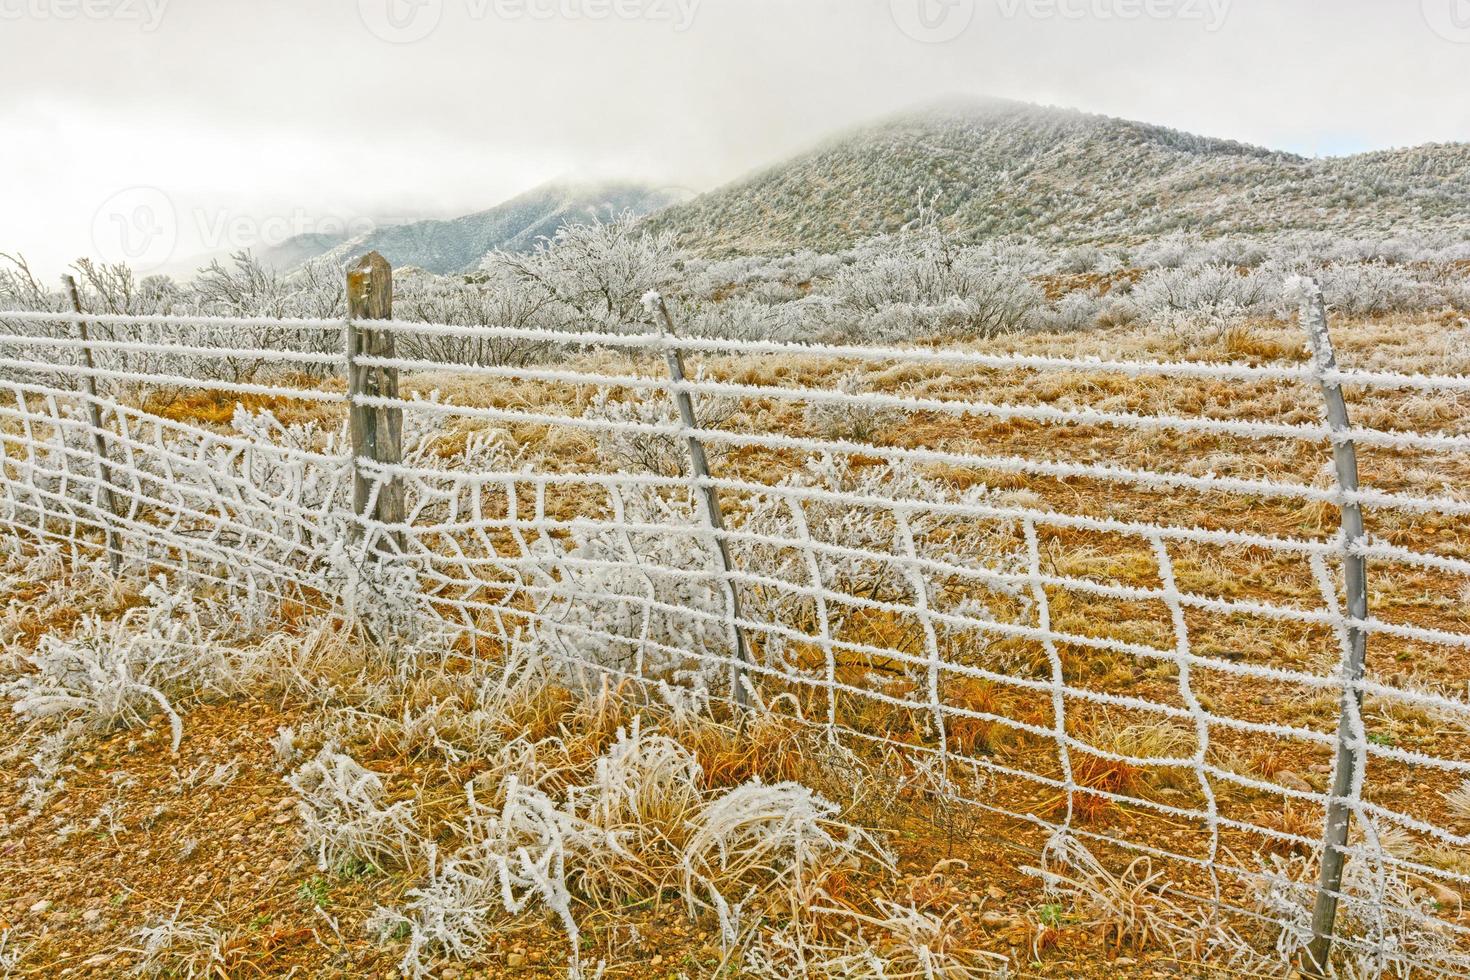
point(714, 515)
point(1346, 772)
point(377, 431)
point(99, 443)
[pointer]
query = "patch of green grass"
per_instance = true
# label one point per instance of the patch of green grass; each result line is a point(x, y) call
point(315, 891)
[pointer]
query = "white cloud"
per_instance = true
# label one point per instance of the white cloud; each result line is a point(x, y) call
point(277, 107)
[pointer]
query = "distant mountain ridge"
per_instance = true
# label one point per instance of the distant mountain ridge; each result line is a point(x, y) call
point(993, 167)
point(458, 244)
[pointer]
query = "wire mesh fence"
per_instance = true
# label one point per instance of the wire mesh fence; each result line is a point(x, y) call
point(1091, 599)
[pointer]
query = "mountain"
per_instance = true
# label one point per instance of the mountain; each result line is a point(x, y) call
point(994, 167)
point(457, 245)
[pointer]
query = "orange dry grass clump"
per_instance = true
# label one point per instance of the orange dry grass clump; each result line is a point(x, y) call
point(211, 407)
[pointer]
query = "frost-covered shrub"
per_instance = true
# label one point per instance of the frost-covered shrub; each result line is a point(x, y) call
point(1203, 294)
point(1074, 311)
point(663, 453)
point(489, 300)
point(879, 536)
point(1371, 288)
point(850, 420)
point(931, 289)
point(344, 818)
point(1387, 925)
point(120, 674)
point(744, 318)
point(1171, 251)
point(594, 276)
point(1085, 258)
point(643, 602)
point(646, 595)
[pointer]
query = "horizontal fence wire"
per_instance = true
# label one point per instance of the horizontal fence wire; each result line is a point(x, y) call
point(1050, 593)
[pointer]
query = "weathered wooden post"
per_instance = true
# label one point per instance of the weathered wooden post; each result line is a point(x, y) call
point(377, 431)
point(99, 443)
point(709, 495)
point(1350, 752)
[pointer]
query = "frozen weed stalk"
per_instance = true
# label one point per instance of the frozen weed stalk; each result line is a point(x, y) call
point(771, 846)
point(341, 806)
point(180, 947)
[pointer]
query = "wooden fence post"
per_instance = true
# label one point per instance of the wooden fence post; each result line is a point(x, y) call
point(1348, 769)
point(99, 443)
point(377, 431)
point(710, 496)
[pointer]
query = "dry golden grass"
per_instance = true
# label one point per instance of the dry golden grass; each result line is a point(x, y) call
point(779, 747)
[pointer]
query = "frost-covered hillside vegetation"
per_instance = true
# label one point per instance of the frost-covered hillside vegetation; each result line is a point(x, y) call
point(922, 283)
point(996, 168)
point(458, 244)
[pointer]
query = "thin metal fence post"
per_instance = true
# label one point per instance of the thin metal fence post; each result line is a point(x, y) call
point(709, 494)
point(99, 444)
point(1348, 770)
point(377, 432)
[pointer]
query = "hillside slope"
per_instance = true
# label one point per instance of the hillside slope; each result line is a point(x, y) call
point(457, 244)
point(993, 167)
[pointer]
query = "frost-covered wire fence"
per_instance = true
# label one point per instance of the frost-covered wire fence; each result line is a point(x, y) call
point(1095, 600)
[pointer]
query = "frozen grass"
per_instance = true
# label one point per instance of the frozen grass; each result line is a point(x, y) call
point(343, 810)
point(177, 946)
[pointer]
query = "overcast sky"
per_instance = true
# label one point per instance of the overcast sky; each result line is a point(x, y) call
point(234, 121)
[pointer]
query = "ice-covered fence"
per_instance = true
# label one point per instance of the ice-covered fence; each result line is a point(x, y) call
point(1095, 598)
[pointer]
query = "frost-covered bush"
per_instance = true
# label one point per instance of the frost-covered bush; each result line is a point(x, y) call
point(344, 816)
point(875, 541)
point(907, 287)
point(850, 420)
point(1371, 288)
point(1193, 295)
point(639, 450)
point(1086, 258)
point(120, 674)
point(594, 276)
point(1075, 311)
point(642, 602)
point(1386, 926)
point(488, 300)
point(743, 318)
